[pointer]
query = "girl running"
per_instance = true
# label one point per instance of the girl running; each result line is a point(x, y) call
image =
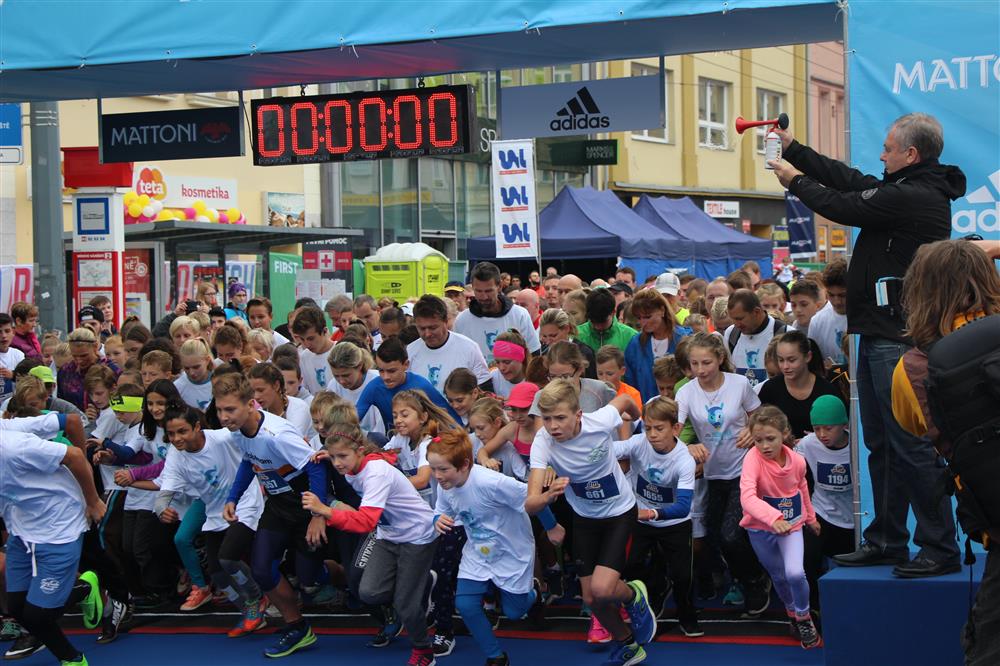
point(579, 447)
point(511, 354)
point(462, 391)
point(195, 384)
point(268, 386)
point(352, 369)
point(776, 504)
point(415, 418)
point(397, 569)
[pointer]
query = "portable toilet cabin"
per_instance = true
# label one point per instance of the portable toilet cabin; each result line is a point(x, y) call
point(404, 270)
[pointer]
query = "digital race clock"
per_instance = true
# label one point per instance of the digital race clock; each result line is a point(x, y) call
point(362, 125)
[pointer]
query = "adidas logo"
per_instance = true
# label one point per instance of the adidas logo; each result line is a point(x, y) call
point(985, 217)
point(580, 112)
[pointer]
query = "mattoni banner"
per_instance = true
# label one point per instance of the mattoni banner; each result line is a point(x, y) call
point(952, 72)
point(515, 214)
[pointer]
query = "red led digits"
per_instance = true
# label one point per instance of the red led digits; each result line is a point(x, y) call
point(312, 129)
point(418, 130)
point(347, 125)
point(452, 116)
point(366, 145)
point(279, 130)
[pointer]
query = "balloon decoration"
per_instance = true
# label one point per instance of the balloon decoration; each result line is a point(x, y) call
point(141, 208)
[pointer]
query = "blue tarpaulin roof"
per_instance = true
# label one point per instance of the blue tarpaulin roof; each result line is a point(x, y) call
point(584, 223)
point(714, 249)
point(73, 49)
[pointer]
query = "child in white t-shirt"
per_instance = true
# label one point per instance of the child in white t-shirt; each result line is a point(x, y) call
point(579, 447)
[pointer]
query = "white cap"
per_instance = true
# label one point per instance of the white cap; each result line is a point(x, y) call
point(668, 283)
point(407, 309)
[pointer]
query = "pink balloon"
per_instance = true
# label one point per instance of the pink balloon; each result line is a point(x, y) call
point(242, 220)
point(223, 218)
point(190, 213)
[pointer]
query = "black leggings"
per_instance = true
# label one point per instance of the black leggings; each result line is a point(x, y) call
point(42, 623)
point(102, 549)
point(225, 566)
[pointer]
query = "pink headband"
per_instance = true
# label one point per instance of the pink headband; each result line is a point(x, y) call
point(508, 350)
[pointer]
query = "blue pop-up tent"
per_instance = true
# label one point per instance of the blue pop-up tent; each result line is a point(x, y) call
point(584, 223)
point(712, 248)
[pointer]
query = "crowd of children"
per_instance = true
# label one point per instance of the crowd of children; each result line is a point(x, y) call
point(224, 463)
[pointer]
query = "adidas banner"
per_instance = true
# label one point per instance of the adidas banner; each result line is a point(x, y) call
point(952, 72)
point(515, 217)
point(581, 107)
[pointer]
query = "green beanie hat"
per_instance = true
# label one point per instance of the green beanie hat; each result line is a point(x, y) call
point(828, 410)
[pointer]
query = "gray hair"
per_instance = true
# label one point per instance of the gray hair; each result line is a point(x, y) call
point(365, 299)
point(923, 132)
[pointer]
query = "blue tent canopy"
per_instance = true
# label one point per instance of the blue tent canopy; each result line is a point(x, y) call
point(584, 223)
point(714, 249)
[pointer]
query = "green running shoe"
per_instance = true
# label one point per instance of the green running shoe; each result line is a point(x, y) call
point(91, 605)
point(82, 661)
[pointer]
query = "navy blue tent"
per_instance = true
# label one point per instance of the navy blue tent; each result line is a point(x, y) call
point(588, 224)
point(715, 249)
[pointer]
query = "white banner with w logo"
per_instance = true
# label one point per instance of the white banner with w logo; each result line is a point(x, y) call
point(513, 191)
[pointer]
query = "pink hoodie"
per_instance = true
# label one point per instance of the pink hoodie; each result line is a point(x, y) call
point(770, 492)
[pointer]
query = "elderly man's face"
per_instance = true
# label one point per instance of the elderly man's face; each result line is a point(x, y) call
point(896, 156)
point(528, 300)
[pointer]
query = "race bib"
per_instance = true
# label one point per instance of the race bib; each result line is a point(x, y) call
point(273, 482)
point(790, 507)
point(598, 490)
point(652, 493)
point(833, 476)
point(756, 375)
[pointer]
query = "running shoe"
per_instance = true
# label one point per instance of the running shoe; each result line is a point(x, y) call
point(113, 621)
point(808, 636)
point(502, 660)
point(92, 606)
point(23, 647)
point(734, 597)
point(421, 657)
point(793, 626)
point(597, 633)
point(82, 661)
point(757, 597)
point(443, 645)
point(198, 597)
point(626, 655)
point(390, 630)
point(10, 630)
point(326, 594)
point(252, 619)
point(291, 640)
point(184, 584)
point(643, 619)
point(691, 628)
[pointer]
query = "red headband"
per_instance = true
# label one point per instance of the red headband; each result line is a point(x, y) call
point(503, 349)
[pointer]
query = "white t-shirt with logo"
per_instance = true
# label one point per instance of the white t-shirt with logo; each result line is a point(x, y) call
point(828, 329)
point(9, 359)
point(833, 490)
point(656, 477)
point(717, 418)
point(748, 356)
point(372, 422)
point(109, 427)
point(208, 475)
point(435, 365)
point(277, 451)
point(500, 546)
point(195, 395)
point(409, 460)
point(406, 517)
point(315, 370)
point(40, 500)
point(484, 330)
point(598, 487)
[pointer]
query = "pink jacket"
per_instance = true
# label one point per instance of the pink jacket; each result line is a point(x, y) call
point(769, 492)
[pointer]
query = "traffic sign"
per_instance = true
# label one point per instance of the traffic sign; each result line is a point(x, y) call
point(11, 142)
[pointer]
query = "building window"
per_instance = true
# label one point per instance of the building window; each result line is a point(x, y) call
point(713, 112)
point(769, 105)
point(656, 133)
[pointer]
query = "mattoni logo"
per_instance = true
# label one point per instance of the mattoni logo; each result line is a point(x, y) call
point(580, 112)
point(215, 132)
point(985, 216)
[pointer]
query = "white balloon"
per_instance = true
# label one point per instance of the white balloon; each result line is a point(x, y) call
point(157, 205)
point(202, 218)
point(149, 211)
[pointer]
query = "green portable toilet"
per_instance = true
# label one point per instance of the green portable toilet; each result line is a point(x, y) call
point(404, 270)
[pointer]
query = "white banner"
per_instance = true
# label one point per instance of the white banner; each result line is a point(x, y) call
point(179, 190)
point(513, 188)
point(17, 283)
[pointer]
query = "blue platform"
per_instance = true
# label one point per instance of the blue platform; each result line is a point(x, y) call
point(870, 617)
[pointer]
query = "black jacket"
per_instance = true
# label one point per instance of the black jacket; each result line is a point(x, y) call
point(896, 215)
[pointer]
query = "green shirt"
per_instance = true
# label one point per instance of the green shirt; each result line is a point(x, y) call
point(618, 335)
point(687, 435)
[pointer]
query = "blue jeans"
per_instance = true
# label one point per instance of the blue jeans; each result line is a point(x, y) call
point(469, 602)
point(905, 470)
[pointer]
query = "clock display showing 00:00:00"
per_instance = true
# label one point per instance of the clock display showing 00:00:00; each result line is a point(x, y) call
point(366, 125)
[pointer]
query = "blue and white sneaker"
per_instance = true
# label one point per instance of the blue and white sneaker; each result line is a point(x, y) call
point(291, 640)
point(625, 655)
point(642, 616)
